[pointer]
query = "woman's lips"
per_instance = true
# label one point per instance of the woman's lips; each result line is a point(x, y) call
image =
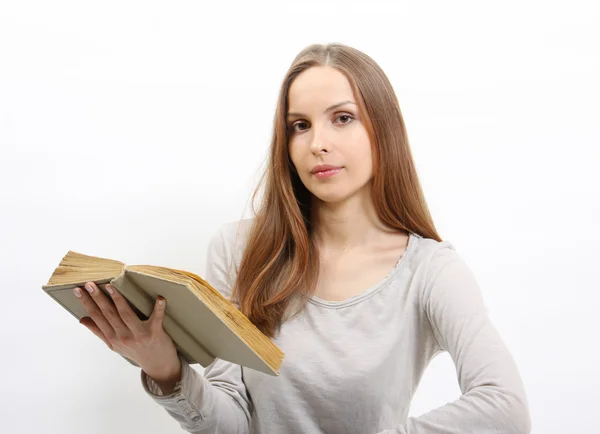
point(327, 173)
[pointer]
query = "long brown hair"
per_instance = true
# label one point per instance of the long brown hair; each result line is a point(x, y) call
point(280, 258)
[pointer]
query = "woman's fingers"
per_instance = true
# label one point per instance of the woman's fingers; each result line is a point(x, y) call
point(95, 313)
point(158, 314)
point(108, 309)
point(102, 311)
point(150, 347)
point(126, 313)
point(115, 322)
point(89, 324)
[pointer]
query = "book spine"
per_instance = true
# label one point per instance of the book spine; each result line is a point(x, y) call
point(191, 349)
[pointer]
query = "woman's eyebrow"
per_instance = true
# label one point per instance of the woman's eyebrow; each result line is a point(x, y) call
point(328, 109)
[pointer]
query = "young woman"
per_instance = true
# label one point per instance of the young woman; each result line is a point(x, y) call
point(343, 268)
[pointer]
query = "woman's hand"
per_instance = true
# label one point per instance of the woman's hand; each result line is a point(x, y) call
point(144, 342)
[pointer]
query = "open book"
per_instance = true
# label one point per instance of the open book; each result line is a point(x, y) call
point(202, 323)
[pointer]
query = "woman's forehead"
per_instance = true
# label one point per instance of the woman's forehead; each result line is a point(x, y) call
point(319, 86)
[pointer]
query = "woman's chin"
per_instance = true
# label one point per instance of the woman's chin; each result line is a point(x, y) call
point(338, 194)
point(331, 197)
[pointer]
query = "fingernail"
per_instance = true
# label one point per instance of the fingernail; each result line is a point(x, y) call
point(89, 287)
point(77, 292)
point(161, 301)
point(110, 289)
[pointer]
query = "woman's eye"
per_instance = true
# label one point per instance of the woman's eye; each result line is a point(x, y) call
point(299, 126)
point(345, 119)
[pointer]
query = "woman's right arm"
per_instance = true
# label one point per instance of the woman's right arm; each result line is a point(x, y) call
point(216, 401)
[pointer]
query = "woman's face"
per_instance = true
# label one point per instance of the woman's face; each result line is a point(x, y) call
point(325, 129)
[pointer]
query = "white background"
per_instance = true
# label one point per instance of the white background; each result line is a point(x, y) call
point(133, 130)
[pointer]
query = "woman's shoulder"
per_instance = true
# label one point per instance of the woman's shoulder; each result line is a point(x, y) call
point(224, 254)
point(230, 238)
point(428, 254)
point(234, 231)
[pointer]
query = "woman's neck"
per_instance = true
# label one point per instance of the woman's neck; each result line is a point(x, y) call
point(345, 225)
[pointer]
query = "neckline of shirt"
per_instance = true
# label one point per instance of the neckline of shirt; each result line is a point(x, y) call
point(410, 246)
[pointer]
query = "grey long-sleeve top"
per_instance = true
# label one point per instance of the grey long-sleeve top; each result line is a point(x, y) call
point(352, 367)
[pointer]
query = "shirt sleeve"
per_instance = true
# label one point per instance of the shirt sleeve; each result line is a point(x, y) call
point(216, 401)
point(493, 398)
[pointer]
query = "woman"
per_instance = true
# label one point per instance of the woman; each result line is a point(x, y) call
point(343, 268)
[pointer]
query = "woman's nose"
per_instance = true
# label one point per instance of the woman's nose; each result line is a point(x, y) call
point(319, 143)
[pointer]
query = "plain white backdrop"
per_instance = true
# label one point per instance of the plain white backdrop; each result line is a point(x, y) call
point(134, 129)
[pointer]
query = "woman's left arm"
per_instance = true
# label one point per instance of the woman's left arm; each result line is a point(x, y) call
point(493, 398)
